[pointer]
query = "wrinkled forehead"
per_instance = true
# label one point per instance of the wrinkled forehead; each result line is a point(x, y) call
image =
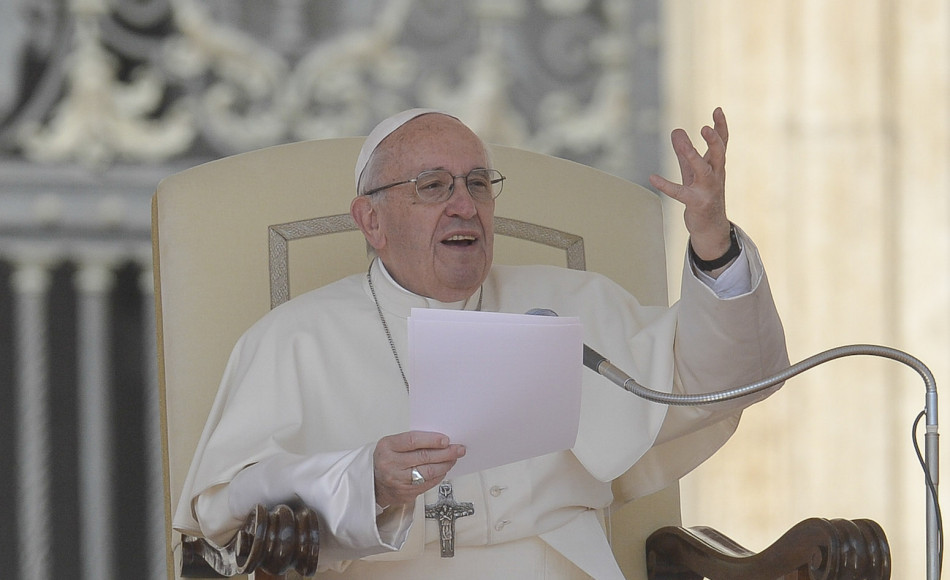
point(432, 142)
point(383, 130)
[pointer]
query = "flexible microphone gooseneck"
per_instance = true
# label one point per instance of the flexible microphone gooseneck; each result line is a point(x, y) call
point(930, 462)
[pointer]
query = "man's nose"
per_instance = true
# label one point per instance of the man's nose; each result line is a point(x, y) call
point(461, 202)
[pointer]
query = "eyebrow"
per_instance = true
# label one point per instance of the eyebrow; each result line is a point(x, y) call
point(443, 168)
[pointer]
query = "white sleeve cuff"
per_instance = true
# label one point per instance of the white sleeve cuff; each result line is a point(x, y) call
point(339, 487)
point(216, 522)
point(735, 280)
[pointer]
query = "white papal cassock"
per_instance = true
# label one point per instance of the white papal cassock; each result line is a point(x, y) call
point(313, 385)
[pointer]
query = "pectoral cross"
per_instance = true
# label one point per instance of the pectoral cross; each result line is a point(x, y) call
point(445, 512)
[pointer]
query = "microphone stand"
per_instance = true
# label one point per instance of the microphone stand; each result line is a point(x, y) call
point(601, 365)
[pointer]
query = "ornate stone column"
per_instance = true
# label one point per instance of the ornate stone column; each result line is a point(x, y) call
point(31, 281)
point(155, 494)
point(94, 279)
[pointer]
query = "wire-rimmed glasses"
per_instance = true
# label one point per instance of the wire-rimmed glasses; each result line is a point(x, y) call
point(438, 185)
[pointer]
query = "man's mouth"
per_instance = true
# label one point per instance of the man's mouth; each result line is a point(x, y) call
point(460, 240)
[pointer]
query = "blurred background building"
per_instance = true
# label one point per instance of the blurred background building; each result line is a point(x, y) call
point(839, 167)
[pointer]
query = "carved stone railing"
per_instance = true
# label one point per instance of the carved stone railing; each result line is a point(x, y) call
point(78, 341)
point(815, 549)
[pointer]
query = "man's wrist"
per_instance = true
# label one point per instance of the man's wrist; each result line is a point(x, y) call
point(731, 254)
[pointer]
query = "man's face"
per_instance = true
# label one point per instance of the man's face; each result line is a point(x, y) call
point(440, 250)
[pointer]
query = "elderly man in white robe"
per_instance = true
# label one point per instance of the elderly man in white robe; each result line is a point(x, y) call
point(313, 406)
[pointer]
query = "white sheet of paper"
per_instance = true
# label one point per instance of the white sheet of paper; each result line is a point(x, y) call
point(507, 386)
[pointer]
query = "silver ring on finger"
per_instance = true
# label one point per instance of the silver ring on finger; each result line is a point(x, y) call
point(417, 478)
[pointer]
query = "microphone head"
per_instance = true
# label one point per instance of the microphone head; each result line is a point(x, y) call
point(592, 359)
point(541, 312)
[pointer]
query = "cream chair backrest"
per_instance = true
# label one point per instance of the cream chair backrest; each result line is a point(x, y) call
point(226, 232)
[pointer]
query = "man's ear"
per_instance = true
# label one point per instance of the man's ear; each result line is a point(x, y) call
point(365, 214)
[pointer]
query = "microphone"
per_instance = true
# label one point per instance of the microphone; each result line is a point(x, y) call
point(601, 365)
point(929, 461)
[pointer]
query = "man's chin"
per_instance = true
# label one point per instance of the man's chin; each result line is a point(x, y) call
point(461, 287)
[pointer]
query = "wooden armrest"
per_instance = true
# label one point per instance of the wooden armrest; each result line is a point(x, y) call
point(272, 541)
point(815, 549)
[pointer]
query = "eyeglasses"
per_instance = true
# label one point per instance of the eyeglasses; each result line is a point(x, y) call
point(438, 185)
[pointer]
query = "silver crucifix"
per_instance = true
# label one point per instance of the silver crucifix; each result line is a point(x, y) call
point(445, 512)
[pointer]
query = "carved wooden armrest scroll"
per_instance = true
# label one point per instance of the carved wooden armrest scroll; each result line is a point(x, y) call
point(272, 541)
point(815, 549)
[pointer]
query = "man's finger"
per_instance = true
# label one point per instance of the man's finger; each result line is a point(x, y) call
point(682, 145)
point(413, 440)
point(720, 125)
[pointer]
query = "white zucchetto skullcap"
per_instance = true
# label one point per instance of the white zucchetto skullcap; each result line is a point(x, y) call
point(384, 129)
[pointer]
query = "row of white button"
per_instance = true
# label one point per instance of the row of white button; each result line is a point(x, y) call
point(496, 491)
